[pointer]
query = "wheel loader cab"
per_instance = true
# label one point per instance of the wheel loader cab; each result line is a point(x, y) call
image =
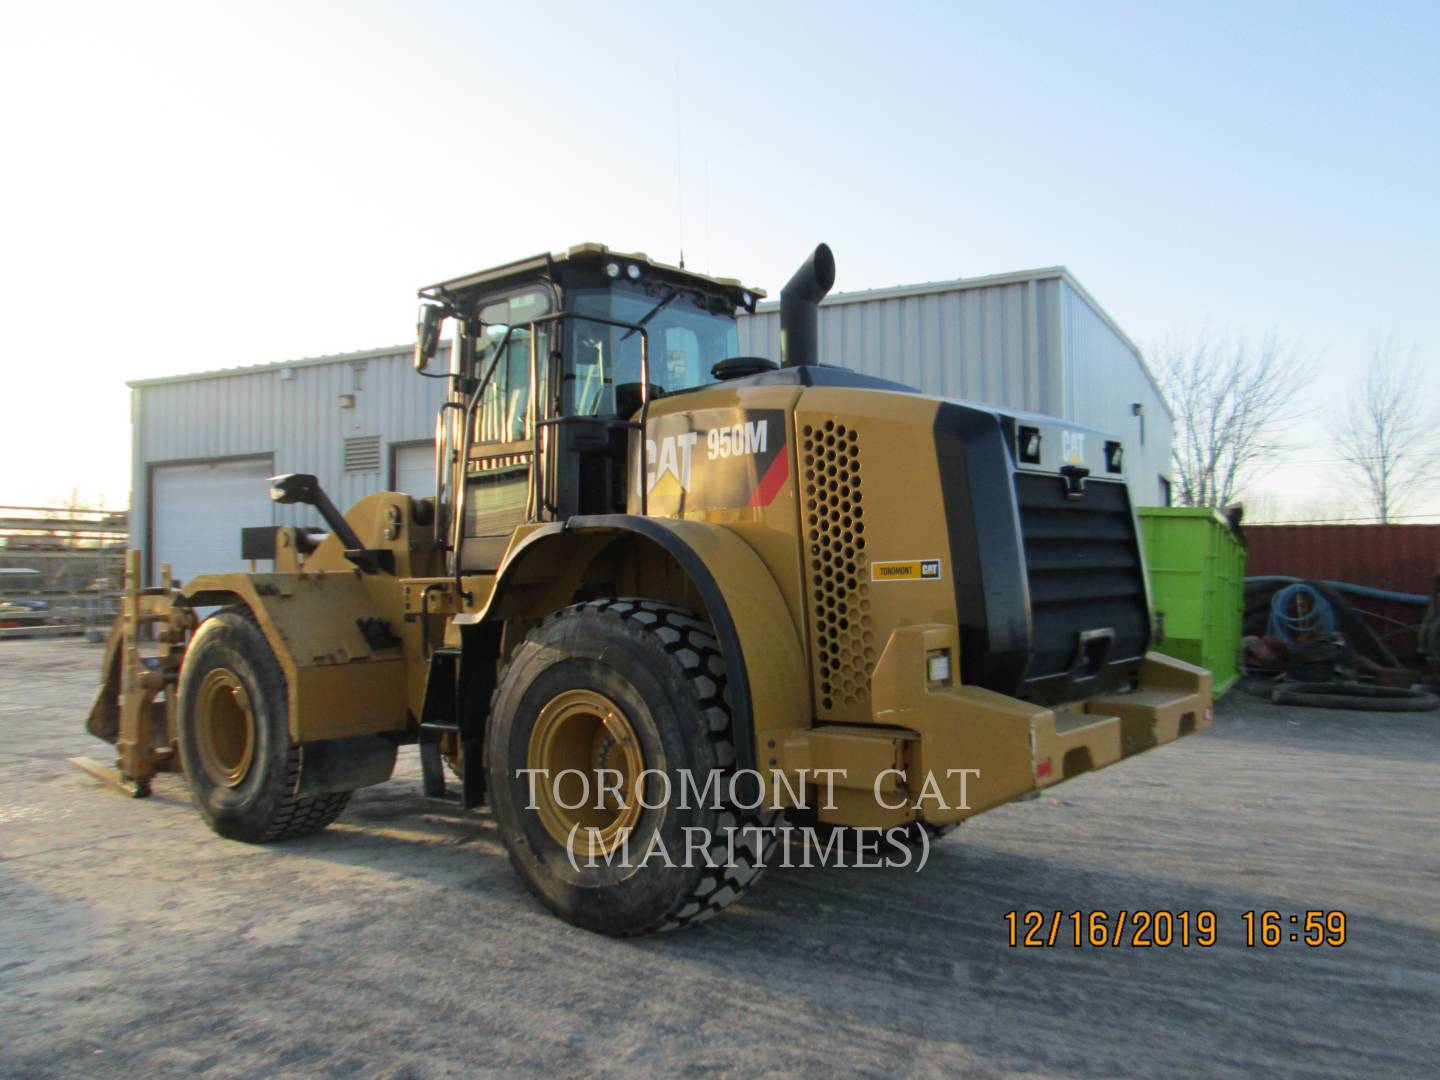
point(626, 342)
point(554, 360)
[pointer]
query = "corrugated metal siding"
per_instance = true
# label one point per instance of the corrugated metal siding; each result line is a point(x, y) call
point(297, 419)
point(1036, 345)
point(1401, 558)
point(1104, 379)
point(994, 344)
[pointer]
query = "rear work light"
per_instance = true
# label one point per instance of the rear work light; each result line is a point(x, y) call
point(1029, 445)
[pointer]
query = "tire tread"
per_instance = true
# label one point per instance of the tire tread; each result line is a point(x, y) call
point(295, 816)
point(688, 639)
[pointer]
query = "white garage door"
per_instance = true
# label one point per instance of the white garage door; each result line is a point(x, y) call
point(415, 470)
point(197, 512)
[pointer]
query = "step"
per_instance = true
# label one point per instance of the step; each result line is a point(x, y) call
point(1150, 718)
point(1068, 743)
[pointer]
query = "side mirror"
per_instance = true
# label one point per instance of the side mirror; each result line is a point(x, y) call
point(427, 334)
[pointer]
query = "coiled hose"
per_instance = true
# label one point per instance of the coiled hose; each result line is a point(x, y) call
point(1319, 619)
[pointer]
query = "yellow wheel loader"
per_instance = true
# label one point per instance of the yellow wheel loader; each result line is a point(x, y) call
point(666, 598)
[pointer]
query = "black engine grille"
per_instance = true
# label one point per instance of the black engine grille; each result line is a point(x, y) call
point(1083, 565)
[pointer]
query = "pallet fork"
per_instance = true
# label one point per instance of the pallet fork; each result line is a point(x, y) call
point(137, 705)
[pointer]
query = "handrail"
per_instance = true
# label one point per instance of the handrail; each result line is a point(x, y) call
point(458, 526)
point(534, 497)
point(442, 452)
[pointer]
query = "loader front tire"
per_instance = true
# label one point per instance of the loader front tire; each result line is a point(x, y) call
point(242, 768)
point(638, 688)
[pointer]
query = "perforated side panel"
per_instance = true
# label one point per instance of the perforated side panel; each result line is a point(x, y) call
point(843, 645)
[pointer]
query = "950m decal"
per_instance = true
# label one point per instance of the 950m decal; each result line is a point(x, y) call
point(714, 459)
point(914, 570)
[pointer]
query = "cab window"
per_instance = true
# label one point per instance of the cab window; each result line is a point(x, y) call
point(503, 412)
point(602, 374)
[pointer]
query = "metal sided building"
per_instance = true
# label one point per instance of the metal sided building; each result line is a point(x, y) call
point(205, 444)
point(1033, 340)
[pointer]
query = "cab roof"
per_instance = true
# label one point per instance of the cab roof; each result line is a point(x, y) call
point(528, 269)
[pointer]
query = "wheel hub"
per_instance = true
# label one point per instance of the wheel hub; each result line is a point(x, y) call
point(225, 728)
point(588, 796)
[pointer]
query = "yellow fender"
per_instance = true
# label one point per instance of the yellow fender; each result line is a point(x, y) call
point(758, 638)
point(340, 682)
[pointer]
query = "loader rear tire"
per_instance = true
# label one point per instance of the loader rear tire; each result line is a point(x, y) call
point(242, 768)
point(631, 685)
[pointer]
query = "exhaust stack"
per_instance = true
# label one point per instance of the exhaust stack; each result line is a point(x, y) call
point(800, 308)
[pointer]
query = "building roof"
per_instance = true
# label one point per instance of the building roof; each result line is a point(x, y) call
point(932, 288)
point(279, 365)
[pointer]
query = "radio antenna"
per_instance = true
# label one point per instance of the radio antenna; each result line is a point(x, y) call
point(679, 170)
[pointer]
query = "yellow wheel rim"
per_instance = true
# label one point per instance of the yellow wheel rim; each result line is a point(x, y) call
point(224, 728)
point(588, 798)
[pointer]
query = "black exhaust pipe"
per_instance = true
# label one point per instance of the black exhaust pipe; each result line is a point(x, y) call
point(800, 308)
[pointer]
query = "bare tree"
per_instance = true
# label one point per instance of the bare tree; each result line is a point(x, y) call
point(1231, 399)
point(1385, 436)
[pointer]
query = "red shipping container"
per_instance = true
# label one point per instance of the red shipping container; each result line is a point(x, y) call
point(1400, 558)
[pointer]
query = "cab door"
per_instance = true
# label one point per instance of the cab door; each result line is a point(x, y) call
point(499, 467)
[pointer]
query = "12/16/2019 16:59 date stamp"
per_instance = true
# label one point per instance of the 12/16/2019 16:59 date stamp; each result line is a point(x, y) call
point(1144, 929)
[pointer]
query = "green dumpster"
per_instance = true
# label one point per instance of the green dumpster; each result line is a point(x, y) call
point(1197, 587)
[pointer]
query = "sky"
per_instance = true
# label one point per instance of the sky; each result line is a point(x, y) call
point(202, 185)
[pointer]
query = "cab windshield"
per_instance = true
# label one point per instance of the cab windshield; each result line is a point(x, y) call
point(602, 376)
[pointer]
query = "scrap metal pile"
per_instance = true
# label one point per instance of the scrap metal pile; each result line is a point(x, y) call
point(1321, 648)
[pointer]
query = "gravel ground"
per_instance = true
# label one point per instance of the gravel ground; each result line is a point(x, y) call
point(398, 943)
